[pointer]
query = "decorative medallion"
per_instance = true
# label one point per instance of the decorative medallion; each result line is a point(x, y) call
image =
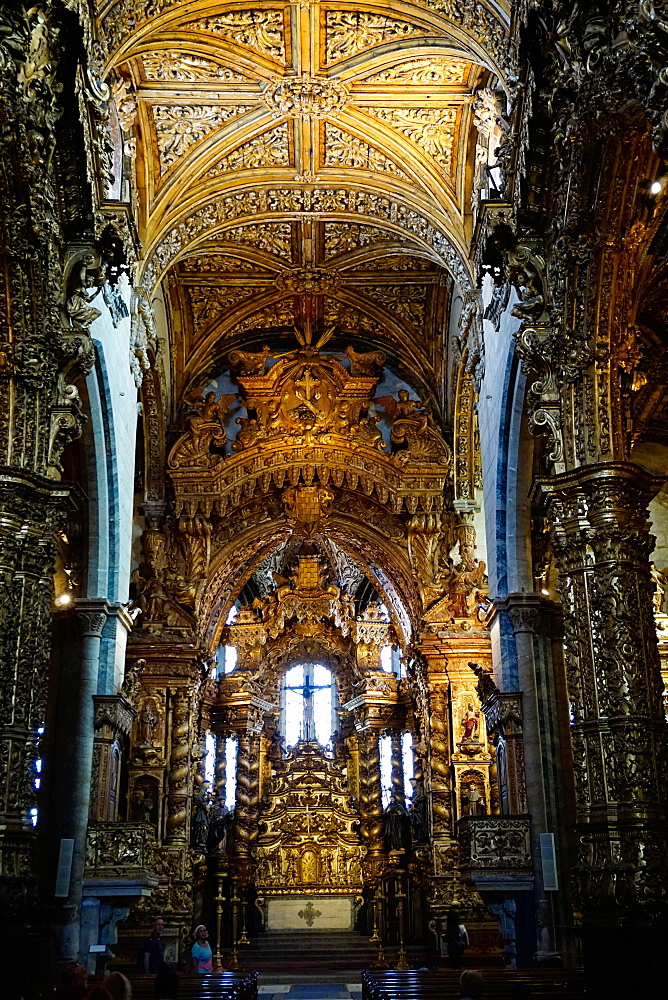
point(306, 97)
point(309, 281)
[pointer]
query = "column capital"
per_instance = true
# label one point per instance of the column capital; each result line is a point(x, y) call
point(609, 493)
point(92, 614)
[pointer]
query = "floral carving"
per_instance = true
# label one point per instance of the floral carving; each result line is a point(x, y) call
point(435, 72)
point(274, 237)
point(345, 150)
point(182, 66)
point(350, 32)
point(262, 30)
point(306, 97)
point(179, 127)
point(340, 237)
point(433, 129)
point(270, 149)
point(407, 302)
point(209, 301)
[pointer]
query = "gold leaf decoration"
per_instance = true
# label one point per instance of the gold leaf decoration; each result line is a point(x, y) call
point(277, 314)
point(407, 302)
point(350, 32)
point(220, 263)
point(178, 127)
point(181, 66)
point(262, 30)
point(437, 72)
point(397, 262)
point(345, 150)
point(271, 149)
point(349, 318)
point(274, 237)
point(433, 129)
point(340, 237)
point(209, 301)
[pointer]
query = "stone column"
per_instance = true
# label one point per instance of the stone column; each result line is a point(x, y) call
point(76, 763)
point(602, 545)
point(179, 793)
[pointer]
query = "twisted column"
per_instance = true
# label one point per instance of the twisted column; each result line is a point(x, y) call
point(371, 803)
point(179, 788)
point(439, 754)
point(397, 762)
point(242, 806)
point(220, 770)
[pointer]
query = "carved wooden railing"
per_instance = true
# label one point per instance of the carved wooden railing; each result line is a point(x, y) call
point(495, 845)
point(120, 850)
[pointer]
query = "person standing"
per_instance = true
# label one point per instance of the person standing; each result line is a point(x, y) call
point(456, 939)
point(201, 952)
point(152, 955)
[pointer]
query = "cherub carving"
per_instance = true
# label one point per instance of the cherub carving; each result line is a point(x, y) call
point(205, 428)
point(85, 282)
point(249, 362)
point(413, 429)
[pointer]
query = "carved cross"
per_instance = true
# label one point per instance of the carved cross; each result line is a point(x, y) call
point(308, 382)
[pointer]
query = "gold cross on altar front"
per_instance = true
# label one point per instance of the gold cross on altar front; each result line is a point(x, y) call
point(309, 913)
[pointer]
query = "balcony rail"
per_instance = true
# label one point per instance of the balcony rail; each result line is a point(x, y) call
point(120, 850)
point(495, 845)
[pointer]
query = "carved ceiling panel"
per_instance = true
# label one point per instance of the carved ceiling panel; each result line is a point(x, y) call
point(333, 143)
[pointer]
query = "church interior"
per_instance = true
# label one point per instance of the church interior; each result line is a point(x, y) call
point(333, 517)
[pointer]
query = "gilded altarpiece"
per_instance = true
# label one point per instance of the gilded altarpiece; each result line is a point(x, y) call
point(309, 845)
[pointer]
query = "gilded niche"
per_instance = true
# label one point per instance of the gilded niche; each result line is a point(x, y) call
point(309, 838)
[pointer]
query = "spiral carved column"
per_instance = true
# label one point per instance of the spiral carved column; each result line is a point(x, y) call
point(439, 751)
point(179, 770)
point(220, 770)
point(397, 761)
point(371, 804)
point(242, 808)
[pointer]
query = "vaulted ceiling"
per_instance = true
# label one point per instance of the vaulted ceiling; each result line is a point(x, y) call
point(301, 162)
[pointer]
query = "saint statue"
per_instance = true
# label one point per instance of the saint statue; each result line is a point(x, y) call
point(200, 832)
point(473, 802)
point(147, 724)
point(470, 724)
point(396, 827)
point(418, 813)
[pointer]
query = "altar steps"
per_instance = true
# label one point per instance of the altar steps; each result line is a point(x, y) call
point(308, 951)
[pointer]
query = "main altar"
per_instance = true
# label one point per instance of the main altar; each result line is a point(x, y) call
point(309, 854)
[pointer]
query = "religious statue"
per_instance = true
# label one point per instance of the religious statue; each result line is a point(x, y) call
point(83, 286)
point(142, 805)
point(472, 801)
point(418, 812)
point(220, 822)
point(205, 428)
point(396, 826)
point(200, 831)
point(146, 724)
point(470, 724)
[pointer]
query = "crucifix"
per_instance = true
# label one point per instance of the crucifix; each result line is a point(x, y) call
point(308, 689)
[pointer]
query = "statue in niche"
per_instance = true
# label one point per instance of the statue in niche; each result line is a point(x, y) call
point(147, 722)
point(396, 827)
point(418, 812)
point(143, 802)
point(470, 725)
point(200, 831)
point(473, 803)
point(220, 822)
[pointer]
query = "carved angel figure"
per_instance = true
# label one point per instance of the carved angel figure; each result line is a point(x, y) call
point(205, 428)
point(249, 362)
point(414, 429)
point(84, 284)
point(364, 362)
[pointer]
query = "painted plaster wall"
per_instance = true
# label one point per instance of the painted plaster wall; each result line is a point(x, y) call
point(111, 463)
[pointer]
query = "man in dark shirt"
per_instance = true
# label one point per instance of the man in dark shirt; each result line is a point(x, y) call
point(153, 950)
